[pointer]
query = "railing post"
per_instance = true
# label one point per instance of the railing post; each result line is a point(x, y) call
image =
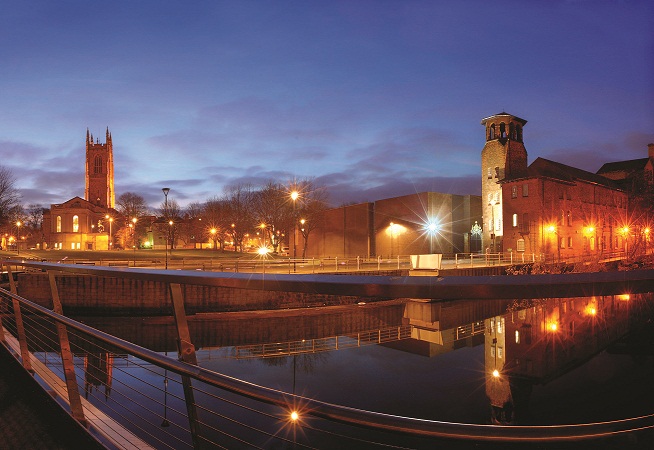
point(20, 326)
point(398, 262)
point(66, 355)
point(336, 259)
point(456, 260)
point(379, 263)
point(186, 351)
point(358, 263)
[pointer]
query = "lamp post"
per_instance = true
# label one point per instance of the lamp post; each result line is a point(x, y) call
point(165, 192)
point(18, 224)
point(111, 240)
point(492, 204)
point(625, 231)
point(213, 232)
point(294, 196)
point(134, 219)
point(170, 238)
point(304, 238)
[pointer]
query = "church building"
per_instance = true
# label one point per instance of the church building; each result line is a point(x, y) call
point(86, 223)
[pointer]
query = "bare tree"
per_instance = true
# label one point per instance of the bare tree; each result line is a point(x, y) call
point(310, 215)
point(9, 196)
point(273, 207)
point(217, 220)
point(239, 212)
point(34, 216)
point(131, 205)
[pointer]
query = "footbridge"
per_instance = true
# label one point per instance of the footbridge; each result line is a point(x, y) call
point(180, 404)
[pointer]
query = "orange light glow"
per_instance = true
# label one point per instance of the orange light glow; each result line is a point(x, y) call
point(294, 416)
point(496, 373)
point(552, 326)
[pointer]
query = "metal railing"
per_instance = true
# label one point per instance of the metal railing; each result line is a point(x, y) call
point(154, 401)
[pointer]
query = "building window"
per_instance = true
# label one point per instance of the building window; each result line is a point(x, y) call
point(512, 131)
point(568, 218)
point(592, 242)
point(525, 223)
point(519, 130)
point(525, 190)
point(514, 191)
point(499, 224)
point(491, 132)
point(58, 224)
point(502, 130)
point(492, 351)
point(500, 353)
point(97, 164)
point(570, 242)
point(562, 242)
point(490, 173)
point(517, 336)
point(497, 172)
point(520, 245)
point(75, 224)
point(515, 220)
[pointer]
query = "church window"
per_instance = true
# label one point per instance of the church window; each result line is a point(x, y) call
point(515, 220)
point(502, 130)
point(75, 224)
point(491, 132)
point(97, 164)
point(514, 191)
point(525, 190)
point(58, 224)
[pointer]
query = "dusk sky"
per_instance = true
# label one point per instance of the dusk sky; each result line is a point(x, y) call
point(372, 99)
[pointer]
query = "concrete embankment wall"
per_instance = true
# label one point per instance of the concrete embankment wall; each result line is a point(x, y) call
point(99, 295)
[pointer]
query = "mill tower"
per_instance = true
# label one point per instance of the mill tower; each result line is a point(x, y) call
point(503, 156)
point(99, 187)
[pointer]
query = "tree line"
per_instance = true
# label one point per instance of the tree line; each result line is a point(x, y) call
point(239, 215)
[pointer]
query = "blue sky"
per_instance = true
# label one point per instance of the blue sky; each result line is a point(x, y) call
point(372, 99)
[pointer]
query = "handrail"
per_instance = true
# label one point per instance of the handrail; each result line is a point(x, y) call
point(471, 287)
point(353, 416)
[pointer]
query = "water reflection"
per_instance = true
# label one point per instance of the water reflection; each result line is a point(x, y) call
point(441, 360)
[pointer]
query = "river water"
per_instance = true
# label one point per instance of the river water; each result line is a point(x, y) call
point(535, 362)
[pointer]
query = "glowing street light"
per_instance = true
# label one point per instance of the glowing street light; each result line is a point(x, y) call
point(133, 225)
point(432, 227)
point(213, 232)
point(294, 197)
point(18, 224)
point(111, 239)
point(165, 193)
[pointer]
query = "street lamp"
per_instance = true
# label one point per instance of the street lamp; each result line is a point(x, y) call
point(432, 228)
point(170, 238)
point(18, 239)
point(134, 219)
point(492, 204)
point(294, 196)
point(165, 192)
point(111, 240)
point(213, 232)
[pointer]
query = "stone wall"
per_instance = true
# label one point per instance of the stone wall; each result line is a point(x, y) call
point(93, 295)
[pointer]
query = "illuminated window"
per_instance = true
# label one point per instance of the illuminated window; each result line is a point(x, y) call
point(570, 242)
point(562, 242)
point(58, 224)
point(517, 337)
point(500, 352)
point(515, 220)
point(75, 224)
point(568, 218)
point(492, 351)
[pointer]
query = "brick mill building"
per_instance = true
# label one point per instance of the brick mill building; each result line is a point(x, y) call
point(549, 208)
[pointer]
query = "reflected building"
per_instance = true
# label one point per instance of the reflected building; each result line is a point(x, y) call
point(538, 343)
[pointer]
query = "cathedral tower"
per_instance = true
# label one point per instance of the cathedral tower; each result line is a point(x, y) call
point(99, 188)
point(504, 156)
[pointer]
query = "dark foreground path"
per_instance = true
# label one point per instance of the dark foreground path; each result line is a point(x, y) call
point(30, 418)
